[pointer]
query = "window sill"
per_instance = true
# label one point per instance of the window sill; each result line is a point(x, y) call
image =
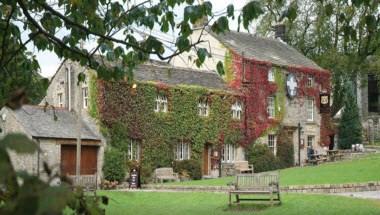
point(311, 122)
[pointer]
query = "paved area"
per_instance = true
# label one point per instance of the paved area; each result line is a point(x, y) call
point(363, 195)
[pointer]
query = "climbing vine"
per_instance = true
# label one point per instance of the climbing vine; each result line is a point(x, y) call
point(251, 78)
point(128, 113)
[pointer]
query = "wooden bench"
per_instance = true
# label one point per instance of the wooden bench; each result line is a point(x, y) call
point(162, 174)
point(243, 167)
point(256, 184)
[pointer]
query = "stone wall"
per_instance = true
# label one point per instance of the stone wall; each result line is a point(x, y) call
point(325, 188)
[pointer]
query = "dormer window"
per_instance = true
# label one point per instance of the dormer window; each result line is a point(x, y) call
point(161, 104)
point(237, 110)
point(271, 75)
point(203, 108)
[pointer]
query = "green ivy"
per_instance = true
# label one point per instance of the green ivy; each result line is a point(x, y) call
point(228, 66)
point(130, 114)
point(280, 99)
point(93, 91)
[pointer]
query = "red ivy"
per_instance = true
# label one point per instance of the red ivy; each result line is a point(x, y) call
point(253, 83)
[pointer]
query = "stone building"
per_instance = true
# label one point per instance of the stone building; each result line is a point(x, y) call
point(54, 130)
point(282, 88)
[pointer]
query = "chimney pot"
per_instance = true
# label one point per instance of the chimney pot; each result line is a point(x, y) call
point(279, 32)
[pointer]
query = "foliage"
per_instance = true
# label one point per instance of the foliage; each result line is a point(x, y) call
point(23, 198)
point(257, 89)
point(285, 153)
point(261, 157)
point(129, 113)
point(190, 167)
point(350, 127)
point(114, 167)
point(339, 35)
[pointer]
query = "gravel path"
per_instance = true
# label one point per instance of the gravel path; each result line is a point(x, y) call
point(363, 195)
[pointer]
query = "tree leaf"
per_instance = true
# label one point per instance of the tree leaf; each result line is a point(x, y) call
point(19, 143)
point(220, 68)
point(230, 10)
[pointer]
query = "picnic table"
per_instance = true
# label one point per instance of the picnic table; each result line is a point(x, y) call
point(317, 159)
point(334, 155)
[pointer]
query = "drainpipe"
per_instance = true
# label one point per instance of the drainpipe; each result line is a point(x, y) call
point(69, 83)
point(38, 158)
point(299, 144)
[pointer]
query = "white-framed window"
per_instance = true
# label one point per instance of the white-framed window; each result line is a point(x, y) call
point(310, 81)
point(228, 153)
point(271, 107)
point(60, 99)
point(182, 151)
point(272, 143)
point(85, 97)
point(237, 110)
point(161, 104)
point(271, 75)
point(310, 109)
point(134, 150)
point(310, 141)
point(203, 108)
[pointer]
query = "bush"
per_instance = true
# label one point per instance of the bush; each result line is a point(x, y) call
point(114, 167)
point(285, 154)
point(262, 159)
point(190, 167)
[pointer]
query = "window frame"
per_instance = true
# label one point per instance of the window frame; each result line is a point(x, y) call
point(237, 110)
point(310, 81)
point(182, 151)
point(229, 153)
point(310, 110)
point(161, 103)
point(310, 139)
point(85, 97)
point(60, 99)
point(271, 107)
point(271, 76)
point(131, 154)
point(203, 108)
point(272, 143)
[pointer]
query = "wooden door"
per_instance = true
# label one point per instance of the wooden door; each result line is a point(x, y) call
point(206, 160)
point(88, 164)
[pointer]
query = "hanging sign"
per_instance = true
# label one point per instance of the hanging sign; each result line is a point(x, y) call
point(134, 179)
point(291, 85)
point(324, 99)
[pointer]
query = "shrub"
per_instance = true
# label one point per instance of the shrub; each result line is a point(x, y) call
point(285, 154)
point(190, 167)
point(114, 167)
point(261, 157)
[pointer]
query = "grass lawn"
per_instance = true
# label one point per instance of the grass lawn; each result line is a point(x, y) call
point(358, 170)
point(216, 203)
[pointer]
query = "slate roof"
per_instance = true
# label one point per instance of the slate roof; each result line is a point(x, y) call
point(158, 71)
point(39, 123)
point(178, 76)
point(264, 49)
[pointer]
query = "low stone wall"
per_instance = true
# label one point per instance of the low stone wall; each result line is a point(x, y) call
point(325, 188)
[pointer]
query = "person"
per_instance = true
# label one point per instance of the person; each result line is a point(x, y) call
point(310, 152)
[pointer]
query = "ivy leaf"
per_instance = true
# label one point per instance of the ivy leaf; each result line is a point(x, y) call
point(220, 68)
point(19, 143)
point(370, 21)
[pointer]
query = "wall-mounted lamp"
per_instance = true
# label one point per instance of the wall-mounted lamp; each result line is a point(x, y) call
point(134, 86)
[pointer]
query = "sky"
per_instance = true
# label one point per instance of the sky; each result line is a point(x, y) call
point(49, 62)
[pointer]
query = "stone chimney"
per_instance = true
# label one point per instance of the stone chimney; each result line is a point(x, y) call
point(279, 32)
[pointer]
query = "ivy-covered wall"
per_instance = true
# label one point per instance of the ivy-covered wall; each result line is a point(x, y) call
point(127, 113)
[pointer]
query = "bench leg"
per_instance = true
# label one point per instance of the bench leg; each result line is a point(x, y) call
point(237, 199)
point(229, 202)
point(271, 199)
